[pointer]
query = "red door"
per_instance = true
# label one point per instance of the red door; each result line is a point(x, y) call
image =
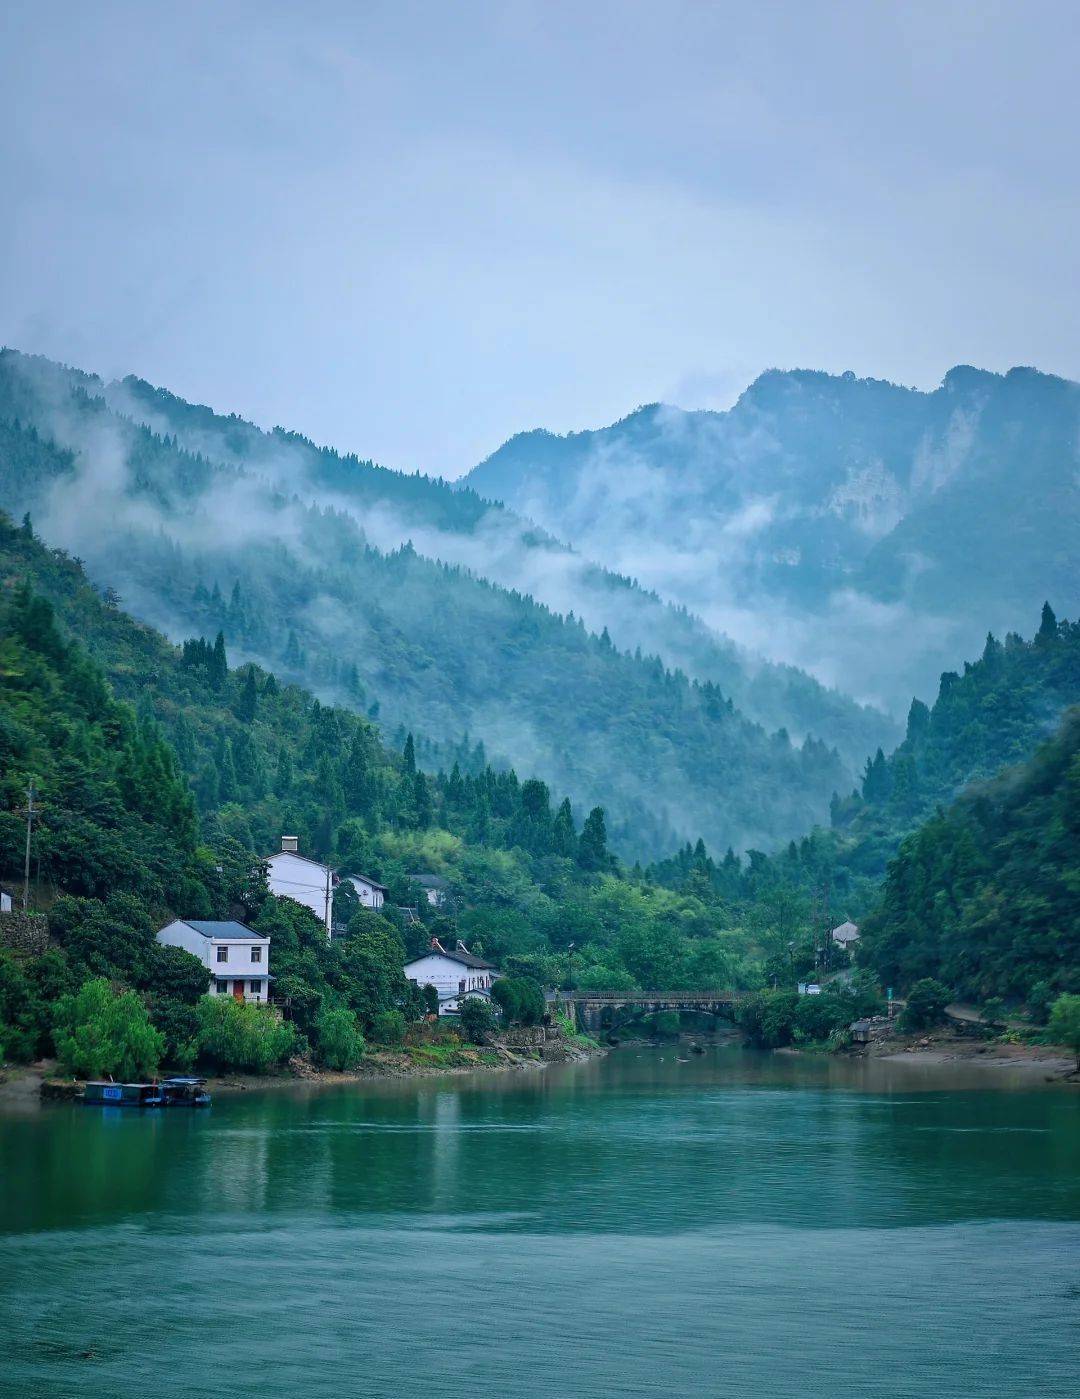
point(238, 990)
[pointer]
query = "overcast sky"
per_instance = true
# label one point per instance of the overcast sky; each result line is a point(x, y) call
point(412, 229)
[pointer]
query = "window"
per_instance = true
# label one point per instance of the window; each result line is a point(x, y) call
point(253, 986)
point(223, 988)
point(256, 954)
point(223, 954)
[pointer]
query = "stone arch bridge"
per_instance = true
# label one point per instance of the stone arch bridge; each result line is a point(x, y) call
point(599, 1010)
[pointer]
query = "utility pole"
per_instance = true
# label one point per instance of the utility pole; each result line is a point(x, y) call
point(31, 812)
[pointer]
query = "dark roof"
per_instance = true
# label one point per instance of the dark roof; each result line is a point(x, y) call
point(467, 959)
point(228, 929)
point(429, 881)
point(295, 854)
point(367, 880)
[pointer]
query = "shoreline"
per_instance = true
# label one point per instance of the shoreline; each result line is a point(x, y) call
point(22, 1086)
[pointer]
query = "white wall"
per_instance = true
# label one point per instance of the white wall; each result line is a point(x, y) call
point(239, 966)
point(311, 884)
point(368, 895)
point(446, 975)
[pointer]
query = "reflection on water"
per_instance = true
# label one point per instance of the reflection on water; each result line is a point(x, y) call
point(647, 1224)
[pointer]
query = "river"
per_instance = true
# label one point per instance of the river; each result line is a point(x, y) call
point(649, 1224)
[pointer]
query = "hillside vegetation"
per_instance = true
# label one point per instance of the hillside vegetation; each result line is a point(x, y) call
point(164, 777)
point(195, 546)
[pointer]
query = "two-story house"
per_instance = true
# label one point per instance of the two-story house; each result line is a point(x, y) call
point(237, 958)
point(455, 975)
point(291, 875)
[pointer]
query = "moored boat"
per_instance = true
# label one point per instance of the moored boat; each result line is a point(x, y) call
point(185, 1092)
point(123, 1095)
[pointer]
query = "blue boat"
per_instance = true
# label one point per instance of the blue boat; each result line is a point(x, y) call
point(124, 1095)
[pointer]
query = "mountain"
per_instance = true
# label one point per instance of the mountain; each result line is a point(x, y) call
point(985, 897)
point(163, 776)
point(194, 543)
point(823, 514)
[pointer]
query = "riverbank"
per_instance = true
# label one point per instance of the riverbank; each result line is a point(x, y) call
point(1046, 1061)
point(22, 1086)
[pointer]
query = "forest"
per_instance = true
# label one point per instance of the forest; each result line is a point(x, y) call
point(336, 598)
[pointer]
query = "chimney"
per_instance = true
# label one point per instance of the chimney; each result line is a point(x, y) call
point(436, 946)
point(460, 946)
point(289, 845)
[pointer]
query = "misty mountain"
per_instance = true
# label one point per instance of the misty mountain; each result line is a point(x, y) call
point(193, 543)
point(866, 531)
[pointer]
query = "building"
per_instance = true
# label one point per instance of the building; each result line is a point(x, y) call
point(291, 875)
point(845, 935)
point(6, 901)
point(237, 958)
point(370, 893)
point(436, 889)
point(455, 975)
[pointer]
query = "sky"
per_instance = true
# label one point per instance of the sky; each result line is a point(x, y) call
point(413, 229)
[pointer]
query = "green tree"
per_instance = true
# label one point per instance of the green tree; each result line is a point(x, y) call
point(388, 1027)
point(101, 1031)
point(926, 1002)
point(234, 1034)
point(592, 845)
point(1065, 1024)
point(247, 703)
point(339, 1041)
point(477, 1019)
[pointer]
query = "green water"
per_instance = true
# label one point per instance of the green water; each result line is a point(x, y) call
point(733, 1225)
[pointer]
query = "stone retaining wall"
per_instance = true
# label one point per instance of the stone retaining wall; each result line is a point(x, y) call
point(25, 932)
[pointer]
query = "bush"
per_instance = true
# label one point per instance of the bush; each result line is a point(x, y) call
point(99, 1031)
point(993, 1012)
point(1039, 1000)
point(477, 1020)
point(24, 1018)
point(1065, 1024)
point(235, 1035)
point(388, 1027)
point(431, 1000)
point(340, 1045)
point(521, 999)
point(926, 1002)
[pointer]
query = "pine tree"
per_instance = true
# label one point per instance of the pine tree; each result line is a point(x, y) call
point(1048, 627)
point(248, 702)
point(563, 835)
point(219, 664)
point(592, 847)
point(421, 800)
point(409, 755)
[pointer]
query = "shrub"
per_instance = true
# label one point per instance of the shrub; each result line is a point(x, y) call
point(521, 999)
point(235, 1035)
point(431, 1000)
point(993, 1012)
point(340, 1045)
point(24, 1019)
point(100, 1031)
point(1039, 1000)
point(1065, 1024)
point(477, 1020)
point(388, 1027)
point(926, 1002)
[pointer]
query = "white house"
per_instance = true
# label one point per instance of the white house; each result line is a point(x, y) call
point(291, 875)
point(5, 901)
point(434, 886)
point(845, 934)
point(455, 975)
point(370, 893)
point(238, 958)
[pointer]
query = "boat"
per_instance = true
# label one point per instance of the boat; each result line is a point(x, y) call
point(123, 1095)
point(185, 1092)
